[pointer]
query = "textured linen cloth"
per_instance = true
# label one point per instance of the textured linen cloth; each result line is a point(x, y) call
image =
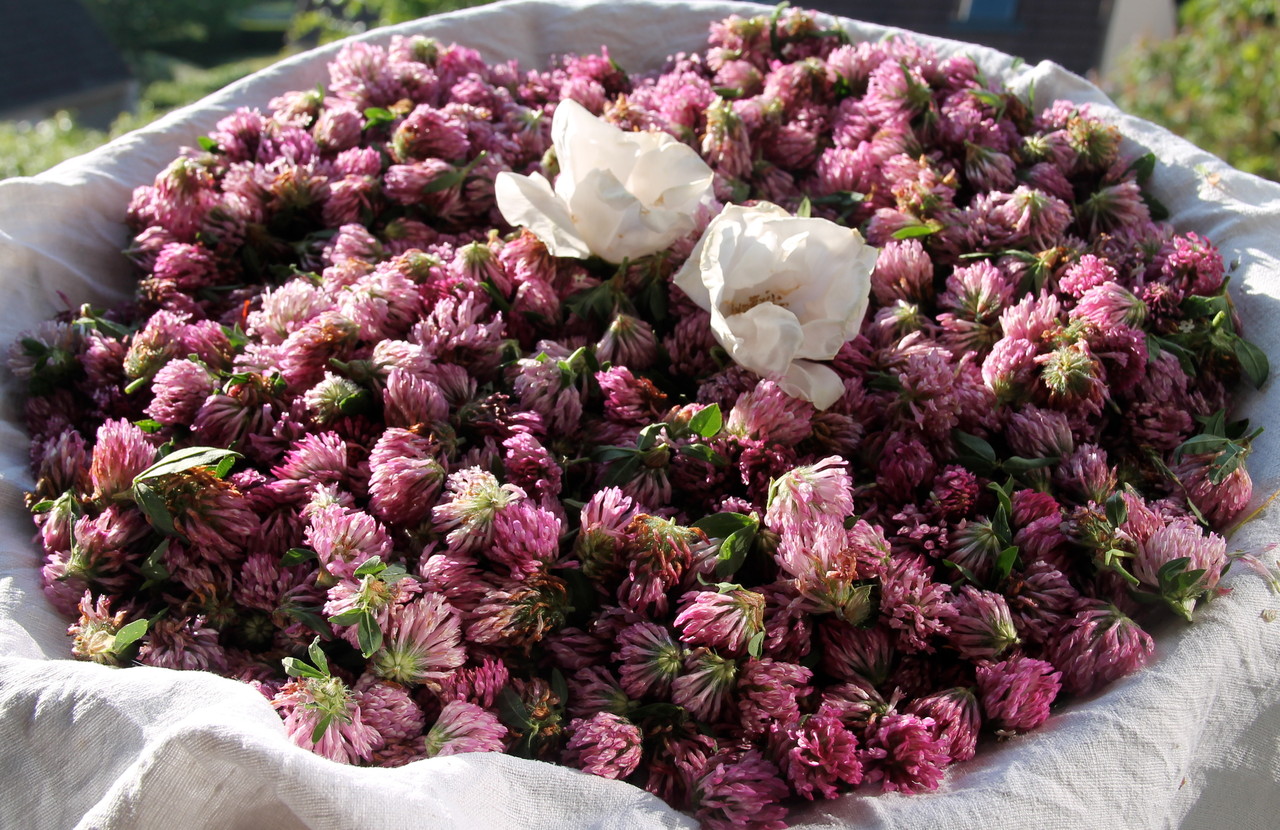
point(1193, 741)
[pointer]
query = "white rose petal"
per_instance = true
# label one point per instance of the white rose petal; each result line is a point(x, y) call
point(782, 291)
point(530, 201)
point(620, 195)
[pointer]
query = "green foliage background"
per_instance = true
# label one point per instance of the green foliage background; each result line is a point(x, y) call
point(182, 50)
point(328, 20)
point(1217, 83)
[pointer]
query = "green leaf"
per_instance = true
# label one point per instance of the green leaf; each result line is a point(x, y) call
point(703, 453)
point(666, 712)
point(1005, 562)
point(512, 710)
point(915, 231)
point(43, 506)
point(153, 507)
point(321, 728)
point(298, 668)
point(368, 634)
point(317, 656)
point(606, 455)
point(559, 687)
point(1142, 167)
point(1159, 212)
point(207, 144)
point(964, 572)
point(1200, 445)
point(595, 303)
point(1200, 306)
point(723, 525)
point(224, 466)
point(755, 647)
point(1169, 570)
point(149, 426)
point(371, 567)
point(988, 97)
point(620, 474)
point(348, 617)
point(1117, 509)
point(1253, 361)
point(975, 446)
point(1002, 496)
point(129, 635)
point(1017, 465)
point(296, 556)
point(733, 551)
point(186, 459)
point(805, 209)
point(153, 566)
point(308, 616)
point(649, 436)
point(708, 421)
point(377, 116)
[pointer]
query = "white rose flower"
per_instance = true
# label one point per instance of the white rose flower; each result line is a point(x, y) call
point(620, 195)
point(783, 291)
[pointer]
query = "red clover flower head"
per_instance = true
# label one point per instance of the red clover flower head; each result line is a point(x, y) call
point(727, 620)
point(1016, 693)
point(739, 791)
point(902, 754)
point(464, 727)
point(651, 659)
point(605, 744)
point(1096, 646)
point(307, 702)
point(422, 644)
point(473, 498)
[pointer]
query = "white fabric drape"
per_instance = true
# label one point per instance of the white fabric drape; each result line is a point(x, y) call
point(1191, 742)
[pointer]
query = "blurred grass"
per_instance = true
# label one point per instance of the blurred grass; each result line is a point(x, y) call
point(147, 32)
point(27, 148)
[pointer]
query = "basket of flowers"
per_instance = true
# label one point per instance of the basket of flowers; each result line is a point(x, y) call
point(777, 419)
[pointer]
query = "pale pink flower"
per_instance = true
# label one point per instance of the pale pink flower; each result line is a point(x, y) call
point(422, 642)
point(306, 703)
point(464, 727)
point(727, 621)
